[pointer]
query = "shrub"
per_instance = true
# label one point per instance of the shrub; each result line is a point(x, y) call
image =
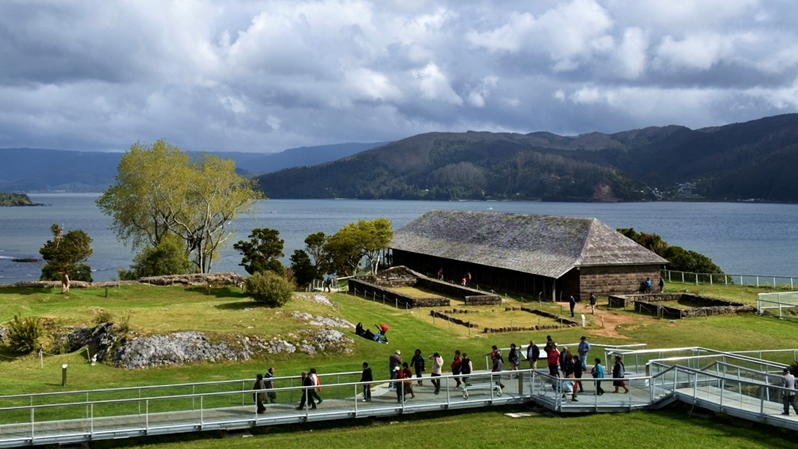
point(269, 288)
point(102, 316)
point(24, 333)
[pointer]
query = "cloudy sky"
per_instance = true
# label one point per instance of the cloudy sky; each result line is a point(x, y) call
point(264, 76)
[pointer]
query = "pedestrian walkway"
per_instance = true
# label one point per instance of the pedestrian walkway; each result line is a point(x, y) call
point(745, 385)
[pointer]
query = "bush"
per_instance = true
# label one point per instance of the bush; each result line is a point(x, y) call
point(169, 257)
point(269, 288)
point(24, 333)
point(101, 316)
point(82, 272)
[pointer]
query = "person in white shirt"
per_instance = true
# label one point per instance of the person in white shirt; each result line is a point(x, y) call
point(437, 364)
point(788, 382)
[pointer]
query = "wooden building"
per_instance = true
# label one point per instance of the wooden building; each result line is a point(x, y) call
point(536, 256)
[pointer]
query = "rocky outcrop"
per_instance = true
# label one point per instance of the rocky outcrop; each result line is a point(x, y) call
point(226, 278)
point(101, 340)
point(181, 348)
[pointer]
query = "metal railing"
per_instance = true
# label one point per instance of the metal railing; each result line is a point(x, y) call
point(751, 280)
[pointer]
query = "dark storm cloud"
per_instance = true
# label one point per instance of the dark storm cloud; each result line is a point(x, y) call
point(270, 75)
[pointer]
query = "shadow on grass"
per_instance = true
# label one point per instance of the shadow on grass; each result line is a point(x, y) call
point(240, 305)
point(219, 292)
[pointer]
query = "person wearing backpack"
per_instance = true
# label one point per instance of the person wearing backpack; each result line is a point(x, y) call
point(618, 372)
point(419, 364)
point(456, 368)
point(465, 368)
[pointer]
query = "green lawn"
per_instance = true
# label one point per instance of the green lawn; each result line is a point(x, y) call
point(163, 309)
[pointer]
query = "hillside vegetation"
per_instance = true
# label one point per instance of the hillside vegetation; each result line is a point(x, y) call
point(741, 161)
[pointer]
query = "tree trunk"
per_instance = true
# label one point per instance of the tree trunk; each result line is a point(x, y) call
point(65, 283)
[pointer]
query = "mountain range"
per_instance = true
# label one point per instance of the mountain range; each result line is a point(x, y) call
point(751, 161)
point(41, 170)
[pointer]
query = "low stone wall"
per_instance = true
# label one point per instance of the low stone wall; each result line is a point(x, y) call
point(458, 291)
point(483, 300)
point(214, 279)
point(707, 306)
point(564, 322)
point(443, 315)
point(378, 292)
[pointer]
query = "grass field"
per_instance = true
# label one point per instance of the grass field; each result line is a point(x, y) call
point(163, 309)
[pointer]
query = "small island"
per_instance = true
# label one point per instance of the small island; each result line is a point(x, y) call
point(16, 199)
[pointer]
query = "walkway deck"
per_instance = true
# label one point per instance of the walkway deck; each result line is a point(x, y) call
point(738, 385)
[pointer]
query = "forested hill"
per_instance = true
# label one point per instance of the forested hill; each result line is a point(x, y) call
point(742, 161)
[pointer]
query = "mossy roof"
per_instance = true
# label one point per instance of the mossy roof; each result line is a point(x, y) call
point(544, 245)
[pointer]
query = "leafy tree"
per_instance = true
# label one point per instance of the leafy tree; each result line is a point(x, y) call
point(679, 259)
point(262, 251)
point(314, 246)
point(347, 247)
point(65, 254)
point(269, 288)
point(303, 270)
point(168, 257)
point(160, 190)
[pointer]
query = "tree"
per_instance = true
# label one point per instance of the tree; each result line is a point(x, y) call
point(262, 251)
point(679, 259)
point(314, 246)
point(65, 254)
point(269, 288)
point(169, 257)
point(303, 270)
point(347, 247)
point(160, 190)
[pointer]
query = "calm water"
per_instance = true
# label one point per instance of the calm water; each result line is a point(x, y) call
point(741, 238)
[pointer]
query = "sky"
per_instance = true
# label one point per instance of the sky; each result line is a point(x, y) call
point(264, 76)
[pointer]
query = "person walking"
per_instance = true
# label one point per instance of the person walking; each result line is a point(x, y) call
point(259, 395)
point(466, 368)
point(366, 376)
point(456, 362)
point(515, 359)
point(419, 364)
point(317, 384)
point(563, 356)
point(618, 373)
point(532, 354)
point(583, 349)
point(268, 380)
point(593, 301)
point(394, 361)
point(407, 375)
point(578, 362)
point(648, 284)
point(661, 284)
point(598, 373)
point(572, 305)
point(568, 368)
point(400, 386)
point(437, 366)
point(307, 387)
point(788, 382)
point(553, 359)
point(498, 363)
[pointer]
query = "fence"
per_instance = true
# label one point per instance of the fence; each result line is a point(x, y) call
point(751, 280)
point(785, 303)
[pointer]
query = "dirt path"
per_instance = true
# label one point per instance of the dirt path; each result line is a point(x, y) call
point(610, 320)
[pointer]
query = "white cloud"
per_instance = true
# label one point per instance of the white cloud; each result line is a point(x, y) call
point(265, 75)
point(434, 86)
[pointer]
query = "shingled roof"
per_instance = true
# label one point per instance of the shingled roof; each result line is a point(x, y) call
point(544, 245)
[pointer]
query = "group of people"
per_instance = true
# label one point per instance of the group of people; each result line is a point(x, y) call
point(405, 376)
point(593, 302)
point(563, 363)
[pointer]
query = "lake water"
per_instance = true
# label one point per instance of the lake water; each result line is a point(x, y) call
point(742, 238)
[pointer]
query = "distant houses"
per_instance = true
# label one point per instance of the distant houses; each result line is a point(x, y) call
point(534, 256)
